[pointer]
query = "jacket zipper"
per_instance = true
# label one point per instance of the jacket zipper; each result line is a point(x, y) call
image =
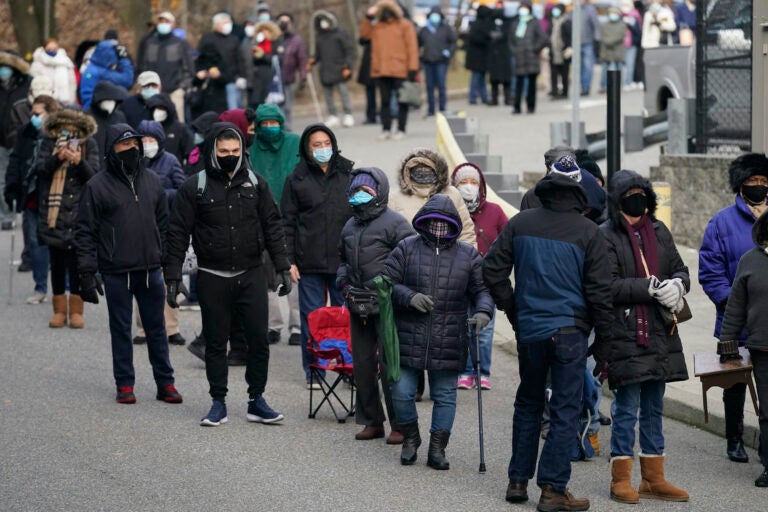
point(358, 274)
point(431, 294)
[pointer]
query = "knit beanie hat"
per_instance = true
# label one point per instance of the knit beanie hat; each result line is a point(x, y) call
point(363, 180)
point(41, 85)
point(566, 165)
point(465, 171)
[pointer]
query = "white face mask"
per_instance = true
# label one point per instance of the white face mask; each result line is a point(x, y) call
point(468, 191)
point(108, 106)
point(151, 149)
point(325, 24)
point(159, 115)
point(260, 37)
point(250, 30)
point(226, 29)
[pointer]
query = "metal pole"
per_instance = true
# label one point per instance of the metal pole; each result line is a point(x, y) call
point(47, 20)
point(576, 80)
point(613, 130)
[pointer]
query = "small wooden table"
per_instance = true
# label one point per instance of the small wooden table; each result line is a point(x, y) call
point(712, 372)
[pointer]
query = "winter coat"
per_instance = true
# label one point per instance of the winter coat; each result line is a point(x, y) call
point(62, 235)
point(232, 222)
point(60, 70)
point(294, 60)
point(369, 237)
point(106, 91)
point(274, 160)
point(612, 41)
point(489, 219)
point(21, 113)
point(20, 176)
point(105, 65)
point(561, 267)
point(164, 164)
point(210, 93)
point(256, 58)
point(14, 90)
point(478, 40)
point(122, 222)
point(364, 72)
point(136, 110)
point(407, 200)
point(334, 49)
point(394, 48)
point(596, 197)
point(560, 35)
point(727, 238)
point(658, 28)
point(628, 362)
point(749, 295)
point(179, 139)
point(526, 49)
point(499, 56)
point(315, 208)
point(222, 51)
point(449, 271)
point(590, 24)
point(435, 44)
point(200, 125)
point(168, 56)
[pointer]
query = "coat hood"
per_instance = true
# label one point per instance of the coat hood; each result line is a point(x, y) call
point(483, 186)
point(429, 158)
point(318, 16)
point(623, 181)
point(270, 111)
point(596, 195)
point(745, 167)
point(386, 5)
point(212, 167)
point(273, 31)
point(304, 151)
point(79, 124)
point(377, 206)
point(164, 101)
point(439, 206)
point(485, 12)
point(60, 59)
point(14, 61)
point(437, 10)
point(203, 122)
point(760, 231)
point(115, 132)
point(560, 193)
point(238, 118)
point(105, 90)
point(104, 55)
point(153, 129)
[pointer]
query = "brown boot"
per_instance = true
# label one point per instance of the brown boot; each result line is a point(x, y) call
point(621, 480)
point(653, 486)
point(552, 500)
point(595, 442)
point(370, 432)
point(59, 318)
point(395, 437)
point(76, 312)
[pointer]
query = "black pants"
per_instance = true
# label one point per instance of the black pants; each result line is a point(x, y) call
point(239, 300)
point(368, 356)
point(733, 404)
point(760, 370)
point(64, 262)
point(559, 71)
point(370, 103)
point(388, 85)
point(530, 98)
point(505, 91)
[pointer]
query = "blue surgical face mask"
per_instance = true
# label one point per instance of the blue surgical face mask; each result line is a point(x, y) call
point(435, 19)
point(360, 197)
point(36, 121)
point(264, 16)
point(556, 12)
point(199, 139)
point(524, 11)
point(5, 72)
point(148, 92)
point(614, 17)
point(322, 155)
point(164, 28)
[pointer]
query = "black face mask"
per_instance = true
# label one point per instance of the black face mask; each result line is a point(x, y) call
point(634, 205)
point(386, 16)
point(285, 27)
point(129, 160)
point(754, 194)
point(249, 138)
point(228, 164)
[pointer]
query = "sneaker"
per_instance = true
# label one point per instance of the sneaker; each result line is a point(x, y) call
point(313, 384)
point(139, 340)
point(236, 358)
point(125, 395)
point(348, 121)
point(273, 337)
point(552, 500)
point(398, 135)
point(197, 347)
point(216, 416)
point(384, 136)
point(176, 339)
point(189, 305)
point(36, 298)
point(332, 122)
point(260, 412)
point(295, 339)
point(169, 394)
point(485, 383)
point(466, 382)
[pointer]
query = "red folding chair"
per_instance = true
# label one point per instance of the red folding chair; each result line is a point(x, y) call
point(330, 346)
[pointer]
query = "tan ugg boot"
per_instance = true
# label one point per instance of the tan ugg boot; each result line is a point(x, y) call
point(59, 318)
point(595, 442)
point(653, 485)
point(621, 480)
point(76, 312)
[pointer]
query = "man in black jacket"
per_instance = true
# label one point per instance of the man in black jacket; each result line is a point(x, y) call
point(232, 217)
point(120, 230)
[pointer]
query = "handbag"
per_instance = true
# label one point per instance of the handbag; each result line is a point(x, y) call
point(410, 94)
point(670, 318)
point(276, 94)
point(362, 302)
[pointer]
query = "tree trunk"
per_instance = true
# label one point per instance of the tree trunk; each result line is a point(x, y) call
point(135, 15)
point(29, 23)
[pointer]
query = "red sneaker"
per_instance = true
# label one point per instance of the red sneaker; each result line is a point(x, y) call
point(125, 395)
point(169, 394)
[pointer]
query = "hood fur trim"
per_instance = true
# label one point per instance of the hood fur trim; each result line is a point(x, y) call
point(73, 120)
point(14, 61)
point(430, 158)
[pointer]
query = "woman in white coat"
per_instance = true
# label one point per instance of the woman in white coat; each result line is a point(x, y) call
point(51, 61)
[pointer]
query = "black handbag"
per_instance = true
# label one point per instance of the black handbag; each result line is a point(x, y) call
point(362, 302)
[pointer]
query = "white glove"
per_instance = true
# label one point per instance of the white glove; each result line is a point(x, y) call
point(670, 292)
point(545, 53)
point(241, 83)
point(679, 306)
point(568, 53)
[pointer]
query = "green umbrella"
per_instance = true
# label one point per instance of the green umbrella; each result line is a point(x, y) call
point(387, 328)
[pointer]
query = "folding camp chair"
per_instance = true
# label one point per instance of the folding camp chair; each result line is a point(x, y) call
point(330, 347)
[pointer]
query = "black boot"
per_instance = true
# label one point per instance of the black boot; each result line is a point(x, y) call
point(733, 402)
point(494, 95)
point(436, 456)
point(762, 480)
point(507, 95)
point(411, 443)
point(736, 450)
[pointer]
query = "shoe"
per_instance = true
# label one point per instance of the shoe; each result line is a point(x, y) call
point(189, 305)
point(621, 480)
point(485, 383)
point(411, 443)
point(585, 93)
point(551, 500)
point(273, 337)
point(348, 121)
point(24, 266)
point(216, 416)
point(370, 432)
point(169, 394)
point(736, 450)
point(384, 135)
point(260, 412)
point(418, 397)
point(466, 382)
point(76, 307)
point(177, 339)
point(438, 440)
point(332, 122)
point(313, 384)
point(594, 441)
point(237, 358)
point(36, 298)
point(653, 485)
point(125, 395)
point(398, 135)
point(59, 318)
point(515, 111)
point(762, 480)
point(517, 492)
point(627, 88)
point(395, 437)
point(197, 347)
point(139, 340)
point(370, 121)
point(294, 339)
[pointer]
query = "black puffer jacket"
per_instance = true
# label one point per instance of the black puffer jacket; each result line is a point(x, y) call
point(232, 222)
point(629, 363)
point(81, 126)
point(370, 236)
point(315, 208)
point(450, 272)
point(121, 224)
point(478, 40)
point(334, 49)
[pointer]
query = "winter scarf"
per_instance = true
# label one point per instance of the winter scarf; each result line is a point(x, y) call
point(54, 194)
point(646, 265)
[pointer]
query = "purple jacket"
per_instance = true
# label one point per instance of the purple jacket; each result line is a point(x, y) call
point(294, 59)
point(727, 237)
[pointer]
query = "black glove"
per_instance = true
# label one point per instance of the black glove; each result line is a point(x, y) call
point(172, 289)
point(480, 320)
point(423, 303)
point(91, 286)
point(284, 283)
point(121, 51)
point(599, 350)
point(412, 76)
point(12, 200)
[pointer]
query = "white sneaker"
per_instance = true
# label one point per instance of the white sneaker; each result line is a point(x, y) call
point(398, 135)
point(628, 87)
point(383, 136)
point(36, 298)
point(332, 122)
point(348, 121)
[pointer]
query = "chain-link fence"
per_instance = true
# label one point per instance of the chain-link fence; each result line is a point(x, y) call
point(723, 76)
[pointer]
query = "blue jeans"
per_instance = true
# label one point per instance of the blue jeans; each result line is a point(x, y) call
point(38, 253)
point(435, 75)
point(119, 290)
point(630, 55)
point(587, 65)
point(234, 96)
point(314, 290)
point(485, 337)
point(564, 355)
point(442, 391)
point(477, 87)
point(648, 397)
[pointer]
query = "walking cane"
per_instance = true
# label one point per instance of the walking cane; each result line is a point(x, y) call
point(13, 250)
point(475, 354)
point(315, 100)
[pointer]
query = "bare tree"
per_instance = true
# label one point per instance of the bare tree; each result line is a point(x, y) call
point(33, 21)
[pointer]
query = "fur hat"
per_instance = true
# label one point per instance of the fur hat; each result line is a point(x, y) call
point(746, 166)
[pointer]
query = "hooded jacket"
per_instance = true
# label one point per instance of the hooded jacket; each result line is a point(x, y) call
point(122, 221)
point(449, 271)
point(663, 359)
point(478, 40)
point(369, 236)
point(231, 221)
point(12, 91)
point(200, 125)
point(106, 91)
point(562, 273)
point(408, 199)
point(434, 42)
point(334, 49)
point(256, 67)
point(274, 159)
point(60, 69)
point(315, 207)
point(394, 48)
point(136, 110)
point(105, 65)
point(596, 197)
point(179, 139)
point(164, 164)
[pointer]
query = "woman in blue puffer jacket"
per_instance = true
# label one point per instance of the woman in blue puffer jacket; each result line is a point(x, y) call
point(109, 62)
point(159, 161)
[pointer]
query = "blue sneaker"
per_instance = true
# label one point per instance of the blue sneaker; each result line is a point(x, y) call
point(260, 412)
point(216, 416)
